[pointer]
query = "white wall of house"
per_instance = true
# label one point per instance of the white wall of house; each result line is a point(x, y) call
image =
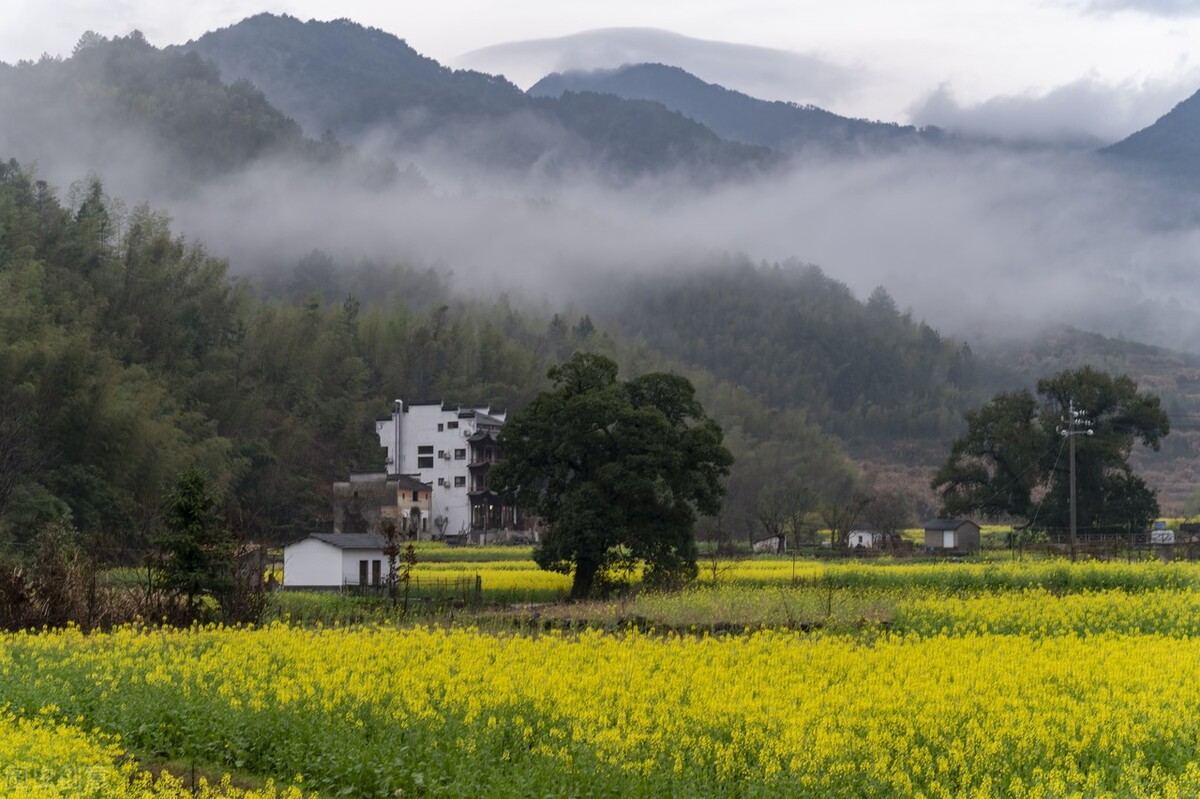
point(311, 563)
point(863, 538)
point(430, 441)
point(351, 563)
point(772, 544)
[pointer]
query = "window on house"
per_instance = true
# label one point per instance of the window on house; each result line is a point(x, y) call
point(425, 463)
point(439, 427)
point(362, 572)
point(415, 497)
point(425, 450)
point(451, 425)
point(460, 454)
point(376, 572)
point(460, 481)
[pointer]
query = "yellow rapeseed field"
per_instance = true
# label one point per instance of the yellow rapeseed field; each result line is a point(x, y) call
point(41, 758)
point(458, 712)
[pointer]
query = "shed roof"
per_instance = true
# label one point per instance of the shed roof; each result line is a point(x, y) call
point(765, 537)
point(946, 524)
point(350, 540)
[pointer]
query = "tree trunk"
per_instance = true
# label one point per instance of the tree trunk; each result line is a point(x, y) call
point(585, 577)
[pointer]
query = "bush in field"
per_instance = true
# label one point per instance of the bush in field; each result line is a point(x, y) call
point(196, 555)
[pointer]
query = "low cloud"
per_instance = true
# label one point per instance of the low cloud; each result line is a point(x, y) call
point(1163, 8)
point(1087, 111)
point(758, 71)
point(973, 241)
point(977, 243)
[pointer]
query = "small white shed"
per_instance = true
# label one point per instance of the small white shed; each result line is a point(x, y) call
point(864, 539)
point(772, 544)
point(335, 560)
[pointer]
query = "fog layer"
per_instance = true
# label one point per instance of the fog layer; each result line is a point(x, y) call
point(983, 242)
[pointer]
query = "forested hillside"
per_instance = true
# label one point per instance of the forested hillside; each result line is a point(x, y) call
point(798, 338)
point(128, 354)
point(123, 103)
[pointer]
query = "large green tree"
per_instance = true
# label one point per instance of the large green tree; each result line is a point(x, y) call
point(1013, 461)
point(616, 469)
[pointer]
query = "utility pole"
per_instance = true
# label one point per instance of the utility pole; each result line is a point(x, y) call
point(1077, 425)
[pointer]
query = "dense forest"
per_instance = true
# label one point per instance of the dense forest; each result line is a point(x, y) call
point(796, 337)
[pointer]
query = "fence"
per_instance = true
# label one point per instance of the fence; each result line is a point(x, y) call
point(456, 591)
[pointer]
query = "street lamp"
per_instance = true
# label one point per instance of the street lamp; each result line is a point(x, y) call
point(1077, 425)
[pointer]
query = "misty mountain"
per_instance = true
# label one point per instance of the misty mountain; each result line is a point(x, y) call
point(368, 86)
point(758, 71)
point(734, 115)
point(349, 79)
point(123, 104)
point(1170, 147)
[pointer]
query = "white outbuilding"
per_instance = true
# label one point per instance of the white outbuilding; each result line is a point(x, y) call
point(335, 560)
point(864, 539)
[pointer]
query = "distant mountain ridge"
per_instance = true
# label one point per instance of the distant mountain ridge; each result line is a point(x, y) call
point(733, 115)
point(763, 72)
point(345, 77)
point(1170, 147)
point(166, 114)
point(354, 81)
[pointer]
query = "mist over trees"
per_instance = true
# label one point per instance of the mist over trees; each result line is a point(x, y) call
point(129, 355)
point(122, 100)
point(460, 253)
point(796, 337)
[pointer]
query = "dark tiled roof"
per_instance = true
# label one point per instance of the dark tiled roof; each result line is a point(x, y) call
point(486, 419)
point(409, 483)
point(946, 524)
point(352, 540)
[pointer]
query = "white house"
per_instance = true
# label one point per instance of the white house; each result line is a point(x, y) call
point(772, 544)
point(335, 560)
point(451, 448)
point(864, 539)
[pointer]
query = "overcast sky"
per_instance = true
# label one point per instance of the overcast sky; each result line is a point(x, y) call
point(1018, 67)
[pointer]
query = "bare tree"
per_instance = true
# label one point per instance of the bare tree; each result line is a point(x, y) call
point(841, 511)
point(888, 512)
point(721, 556)
point(781, 509)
